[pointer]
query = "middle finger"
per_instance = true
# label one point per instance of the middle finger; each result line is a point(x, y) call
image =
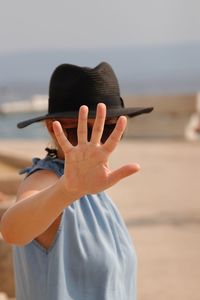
point(99, 122)
point(82, 125)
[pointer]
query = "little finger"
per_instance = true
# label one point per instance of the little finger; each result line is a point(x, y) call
point(64, 143)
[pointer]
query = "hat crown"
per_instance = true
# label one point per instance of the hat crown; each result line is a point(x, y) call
point(72, 86)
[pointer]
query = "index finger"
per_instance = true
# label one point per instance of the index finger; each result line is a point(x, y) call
point(114, 138)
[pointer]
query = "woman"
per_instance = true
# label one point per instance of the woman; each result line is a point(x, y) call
point(69, 240)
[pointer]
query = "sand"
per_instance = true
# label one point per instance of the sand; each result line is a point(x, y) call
point(161, 208)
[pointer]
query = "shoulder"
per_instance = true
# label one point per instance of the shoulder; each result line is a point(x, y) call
point(41, 174)
point(52, 164)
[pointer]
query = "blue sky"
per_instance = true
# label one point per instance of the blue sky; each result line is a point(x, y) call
point(45, 24)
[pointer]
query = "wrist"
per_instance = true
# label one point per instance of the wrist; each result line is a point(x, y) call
point(66, 194)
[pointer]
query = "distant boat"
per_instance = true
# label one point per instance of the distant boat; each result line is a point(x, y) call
point(37, 103)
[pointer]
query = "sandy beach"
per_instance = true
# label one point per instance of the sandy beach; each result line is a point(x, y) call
point(160, 206)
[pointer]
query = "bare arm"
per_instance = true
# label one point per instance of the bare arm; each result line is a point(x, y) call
point(42, 198)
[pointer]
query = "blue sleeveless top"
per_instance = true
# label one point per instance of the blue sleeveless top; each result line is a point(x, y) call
point(92, 256)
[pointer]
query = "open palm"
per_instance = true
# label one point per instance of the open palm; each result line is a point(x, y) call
point(86, 164)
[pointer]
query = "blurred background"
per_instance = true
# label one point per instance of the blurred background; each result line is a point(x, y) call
point(154, 48)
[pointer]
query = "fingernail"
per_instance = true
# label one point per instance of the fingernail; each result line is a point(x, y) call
point(138, 166)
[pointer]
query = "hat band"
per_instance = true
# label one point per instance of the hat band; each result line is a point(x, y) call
point(75, 104)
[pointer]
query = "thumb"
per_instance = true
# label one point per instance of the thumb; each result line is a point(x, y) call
point(122, 172)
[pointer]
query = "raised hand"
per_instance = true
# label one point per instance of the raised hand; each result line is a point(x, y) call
point(86, 164)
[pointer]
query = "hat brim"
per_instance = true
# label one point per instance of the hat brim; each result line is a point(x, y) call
point(130, 112)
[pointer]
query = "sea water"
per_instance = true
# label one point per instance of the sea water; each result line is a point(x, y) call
point(9, 130)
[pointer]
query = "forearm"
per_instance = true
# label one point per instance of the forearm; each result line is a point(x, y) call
point(30, 217)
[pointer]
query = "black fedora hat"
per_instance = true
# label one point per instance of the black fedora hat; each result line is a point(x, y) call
point(72, 86)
